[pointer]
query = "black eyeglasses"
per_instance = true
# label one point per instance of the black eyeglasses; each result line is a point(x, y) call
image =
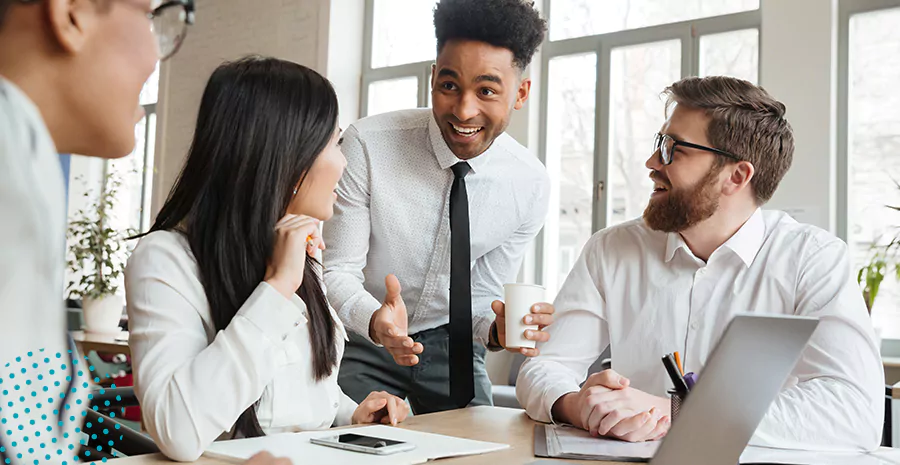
point(665, 145)
point(169, 23)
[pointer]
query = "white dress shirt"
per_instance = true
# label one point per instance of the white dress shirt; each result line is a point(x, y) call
point(32, 244)
point(193, 382)
point(392, 216)
point(644, 294)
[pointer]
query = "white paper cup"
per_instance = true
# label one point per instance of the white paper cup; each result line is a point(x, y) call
point(519, 300)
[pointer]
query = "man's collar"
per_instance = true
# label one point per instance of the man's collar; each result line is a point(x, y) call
point(745, 243)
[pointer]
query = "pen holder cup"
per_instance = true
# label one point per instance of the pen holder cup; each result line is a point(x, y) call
point(677, 399)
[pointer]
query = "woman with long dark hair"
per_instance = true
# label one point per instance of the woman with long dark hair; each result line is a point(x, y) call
point(230, 330)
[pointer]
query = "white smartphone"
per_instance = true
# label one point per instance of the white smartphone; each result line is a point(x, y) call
point(366, 444)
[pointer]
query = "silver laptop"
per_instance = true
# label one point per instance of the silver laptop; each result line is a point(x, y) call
point(744, 374)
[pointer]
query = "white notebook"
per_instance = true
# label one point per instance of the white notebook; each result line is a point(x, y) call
point(297, 447)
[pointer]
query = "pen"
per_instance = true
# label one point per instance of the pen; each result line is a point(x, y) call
point(672, 369)
point(678, 362)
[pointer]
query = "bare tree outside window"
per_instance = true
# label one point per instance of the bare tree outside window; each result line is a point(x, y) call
point(637, 76)
point(734, 53)
point(570, 162)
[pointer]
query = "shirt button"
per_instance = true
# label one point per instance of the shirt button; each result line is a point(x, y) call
point(296, 323)
point(336, 405)
point(284, 337)
point(695, 325)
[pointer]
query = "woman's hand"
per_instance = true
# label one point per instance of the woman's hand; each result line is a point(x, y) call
point(381, 407)
point(295, 237)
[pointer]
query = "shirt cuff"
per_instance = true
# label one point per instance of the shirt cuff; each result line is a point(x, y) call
point(345, 411)
point(482, 329)
point(272, 313)
point(553, 395)
point(361, 315)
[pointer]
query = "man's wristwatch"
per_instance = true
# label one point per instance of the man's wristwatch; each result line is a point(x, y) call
point(494, 339)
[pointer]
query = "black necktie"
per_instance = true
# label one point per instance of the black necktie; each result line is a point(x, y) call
point(462, 381)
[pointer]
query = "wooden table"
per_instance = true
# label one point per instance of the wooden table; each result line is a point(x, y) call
point(494, 424)
point(107, 343)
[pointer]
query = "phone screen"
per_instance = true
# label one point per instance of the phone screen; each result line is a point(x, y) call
point(366, 441)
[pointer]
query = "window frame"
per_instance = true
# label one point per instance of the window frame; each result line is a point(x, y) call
point(846, 10)
point(147, 165)
point(420, 70)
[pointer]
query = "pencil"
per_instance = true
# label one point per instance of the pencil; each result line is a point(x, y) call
point(678, 362)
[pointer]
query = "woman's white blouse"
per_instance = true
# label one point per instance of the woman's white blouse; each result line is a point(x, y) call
point(193, 383)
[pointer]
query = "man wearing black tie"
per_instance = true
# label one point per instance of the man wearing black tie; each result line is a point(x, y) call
point(447, 202)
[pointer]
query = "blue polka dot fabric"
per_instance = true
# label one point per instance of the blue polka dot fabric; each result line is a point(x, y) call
point(42, 408)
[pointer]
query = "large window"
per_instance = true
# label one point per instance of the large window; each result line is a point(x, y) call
point(607, 63)
point(870, 143)
point(399, 50)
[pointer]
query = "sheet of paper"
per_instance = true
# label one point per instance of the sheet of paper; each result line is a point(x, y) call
point(297, 447)
point(883, 456)
point(572, 442)
point(568, 441)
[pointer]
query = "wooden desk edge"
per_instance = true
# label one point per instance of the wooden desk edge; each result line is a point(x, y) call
point(520, 450)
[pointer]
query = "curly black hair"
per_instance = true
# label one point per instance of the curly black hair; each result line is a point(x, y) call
point(512, 24)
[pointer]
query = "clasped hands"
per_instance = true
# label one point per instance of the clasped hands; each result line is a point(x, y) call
point(608, 406)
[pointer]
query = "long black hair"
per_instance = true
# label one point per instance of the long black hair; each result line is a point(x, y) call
point(262, 123)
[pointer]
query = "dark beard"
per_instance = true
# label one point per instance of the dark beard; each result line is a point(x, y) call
point(681, 209)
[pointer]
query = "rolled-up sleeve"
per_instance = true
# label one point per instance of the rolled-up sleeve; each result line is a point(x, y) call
point(500, 266)
point(577, 337)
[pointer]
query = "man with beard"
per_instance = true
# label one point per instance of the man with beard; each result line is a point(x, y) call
point(703, 251)
point(448, 202)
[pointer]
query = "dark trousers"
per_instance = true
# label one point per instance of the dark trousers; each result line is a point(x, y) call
point(366, 368)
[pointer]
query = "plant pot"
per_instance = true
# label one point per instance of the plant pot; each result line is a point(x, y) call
point(102, 316)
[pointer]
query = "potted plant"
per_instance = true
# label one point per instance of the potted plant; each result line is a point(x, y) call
point(884, 263)
point(96, 259)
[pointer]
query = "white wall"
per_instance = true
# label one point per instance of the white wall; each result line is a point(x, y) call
point(798, 66)
point(226, 30)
